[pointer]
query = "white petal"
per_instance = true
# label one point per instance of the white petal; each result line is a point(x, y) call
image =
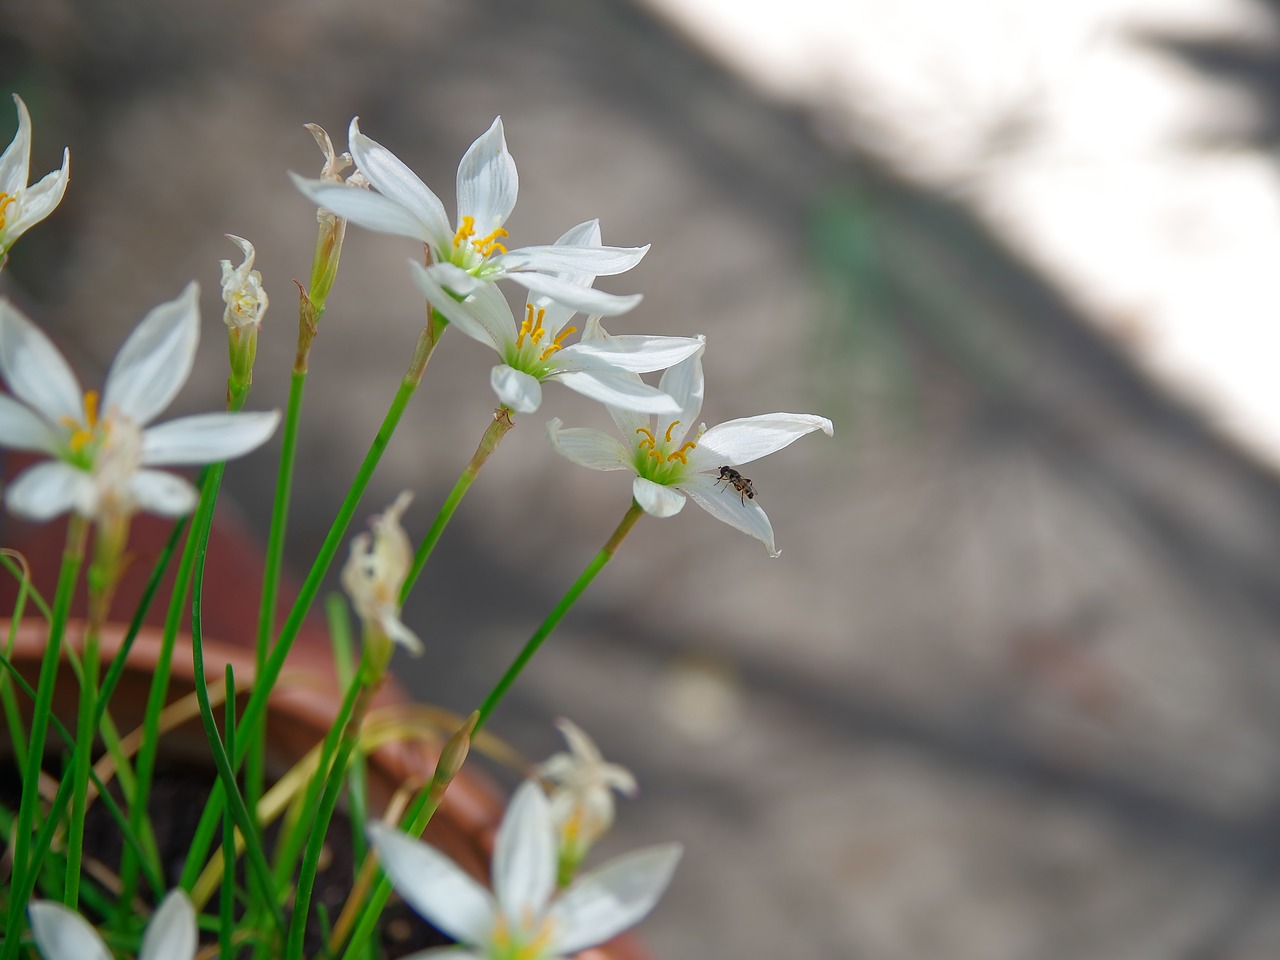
point(750, 438)
point(156, 360)
point(171, 934)
point(582, 747)
point(162, 493)
point(35, 370)
point(621, 390)
point(685, 383)
point(487, 181)
point(563, 258)
point(15, 162)
point(524, 856)
point(585, 234)
point(62, 934)
point(20, 429)
point(370, 210)
point(48, 489)
point(657, 500)
point(725, 503)
point(435, 886)
point(394, 180)
point(40, 199)
point(485, 315)
point(516, 389)
point(584, 299)
point(619, 895)
point(633, 353)
point(396, 631)
point(588, 448)
point(207, 437)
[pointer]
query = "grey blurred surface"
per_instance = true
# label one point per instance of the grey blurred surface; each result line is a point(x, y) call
point(1010, 692)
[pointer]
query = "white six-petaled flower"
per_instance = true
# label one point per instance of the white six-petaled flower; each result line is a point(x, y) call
point(471, 251)
point(62, 934)
point(533, 351)
point(582, 793)
point(669, 465)
point(375, 572)
point(101, 444)
point(523, 918)
point(23, 206)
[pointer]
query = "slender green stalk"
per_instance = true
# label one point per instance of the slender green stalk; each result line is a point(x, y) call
point(72, 559)
point(254, 715)
point(357, 780)
point(425, 804)
point(13, 717)
point(227, 902)
point(497, 429)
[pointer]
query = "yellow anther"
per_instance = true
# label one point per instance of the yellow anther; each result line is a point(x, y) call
point(538, 331)
point(558, 344)
point(467, 230)
point(82, 433)
point(671, 429)
point(682, 454)
point(526, 326)
point(8, 198)
point(489, 243)
point(91, 408)
point(648, 438)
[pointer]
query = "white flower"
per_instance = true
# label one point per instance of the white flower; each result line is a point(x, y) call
point(668, 466)
point(23, 206)
point(402, 204)
point(533, 351)
point(242, 290)
point(582, 798)
point(375, 572)
point(521, 920)
point(62, 934)
point(102, 446)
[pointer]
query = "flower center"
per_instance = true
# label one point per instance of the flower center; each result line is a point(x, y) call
point(467, 246)
point(656, 460)
point(531, 940)
point(529, 355)
point(5, 200)
point(84, 433)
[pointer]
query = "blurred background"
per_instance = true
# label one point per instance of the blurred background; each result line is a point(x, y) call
point(1013, 688)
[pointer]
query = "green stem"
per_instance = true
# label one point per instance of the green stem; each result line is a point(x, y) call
point(72, 559)
point(227, 900)
point(557, 614)
point(497, 429)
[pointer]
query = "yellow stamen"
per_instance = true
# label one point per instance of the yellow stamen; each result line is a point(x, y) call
point(649, 438)
point(538, 331)
point(5, 200)
point(681, 454)
point(671, 429)
point(91, 408)
point(82, 433)
point(526, 326)
point(490, 243)
point(558, 344)
point(466, 231)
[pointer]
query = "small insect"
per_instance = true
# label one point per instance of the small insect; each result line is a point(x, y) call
point(732, 478)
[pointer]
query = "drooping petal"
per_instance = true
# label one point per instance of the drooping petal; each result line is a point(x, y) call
point(558, 258)
point(487, 181)
point(35, 370)
point(20, 429)
point(167, 494)
point(589, 448)
point(581, 299)
point(397, 632)
point(62, 934)
point(156, 360)
point(614, 898)
point(171, 934)
point(15, 162)
point(685, 383)
point(485, 316)
point(615, 389)
point(435, 886)
point(725, 503)
point(657, 500)
point(392, 178)
point(515, 388)
point(48, 489)
point(750, 438)
point(636, 354)
point(524, 855)
point(40, 199)
point(373, 211)
point(207, 437)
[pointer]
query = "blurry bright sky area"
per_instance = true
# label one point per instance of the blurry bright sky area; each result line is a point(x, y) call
point(1075, 138)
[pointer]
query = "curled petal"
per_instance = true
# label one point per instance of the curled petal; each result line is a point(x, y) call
point(47, 490)
point(487, 181)
point(516, 389)
point(725, 503)
point(657, 500)
point(750, 438)
point(588, 448)
point(156, 360)
point(39, 200)
point(614, 898)
point(207, 437)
